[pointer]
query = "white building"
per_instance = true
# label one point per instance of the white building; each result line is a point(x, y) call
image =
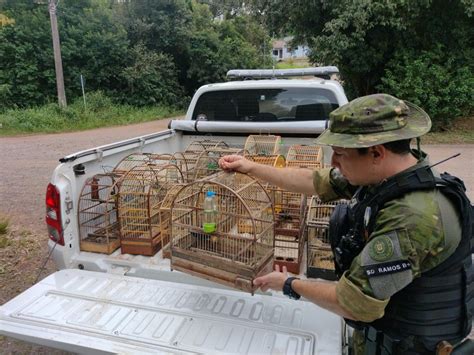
point(282, 49)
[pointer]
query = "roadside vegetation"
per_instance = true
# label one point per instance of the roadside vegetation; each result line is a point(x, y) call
point(143, 54)
point(99, 111)
point(143, 60)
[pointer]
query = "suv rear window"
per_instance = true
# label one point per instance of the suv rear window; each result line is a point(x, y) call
point(263, 105)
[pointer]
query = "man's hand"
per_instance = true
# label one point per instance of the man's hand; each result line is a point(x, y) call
point(274, 280)
point(235, 163)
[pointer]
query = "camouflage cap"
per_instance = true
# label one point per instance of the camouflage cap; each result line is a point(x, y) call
point(374, 119)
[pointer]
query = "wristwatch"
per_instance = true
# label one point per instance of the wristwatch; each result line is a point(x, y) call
point(288, 290)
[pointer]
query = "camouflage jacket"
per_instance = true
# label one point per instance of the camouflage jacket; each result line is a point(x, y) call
point(420, 228)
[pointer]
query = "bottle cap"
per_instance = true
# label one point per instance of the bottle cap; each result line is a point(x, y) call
point(210, 193)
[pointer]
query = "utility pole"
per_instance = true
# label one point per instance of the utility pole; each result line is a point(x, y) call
point(57, 53)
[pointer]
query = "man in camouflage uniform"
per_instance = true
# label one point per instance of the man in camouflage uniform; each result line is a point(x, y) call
point(417, 233)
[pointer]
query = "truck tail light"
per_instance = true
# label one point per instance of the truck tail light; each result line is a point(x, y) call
point(53, 215)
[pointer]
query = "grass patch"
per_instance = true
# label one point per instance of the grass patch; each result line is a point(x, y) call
point(4, 222)
point(99, 112)
point(4, 241)
point(293, 63)
point(460, 132)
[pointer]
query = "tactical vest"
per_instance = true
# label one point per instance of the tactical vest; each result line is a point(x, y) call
point(439, 304)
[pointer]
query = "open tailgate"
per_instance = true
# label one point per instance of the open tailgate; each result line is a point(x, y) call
point(90, 312)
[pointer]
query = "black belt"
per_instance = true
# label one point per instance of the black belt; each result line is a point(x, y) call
point(379, 343)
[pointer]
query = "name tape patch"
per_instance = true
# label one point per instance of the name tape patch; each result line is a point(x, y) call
point(390, 267)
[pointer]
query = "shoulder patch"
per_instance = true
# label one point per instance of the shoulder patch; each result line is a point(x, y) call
point(386, 267)
point(381, 248)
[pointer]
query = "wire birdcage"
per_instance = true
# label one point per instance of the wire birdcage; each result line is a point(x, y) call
point(208, 162)
point(305, 156)
point(186, 162)
point(207, 144)
point(289, 229)
point(241, 247)
point(275, 160)
point(98, 224)
point(131, 161)
point(262, 145)
point(320, 261)
point(142, 191)
point(161, 159)
point(165, 217)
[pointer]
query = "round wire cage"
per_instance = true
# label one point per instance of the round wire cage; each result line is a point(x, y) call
point(275, 160)
point(208, 161)
point(263, 145)
point(305, 156)
point(203, 145)
point(186, 162)
point(97, 214)
point(142, 190)
point(131, 161)
point(241, 247)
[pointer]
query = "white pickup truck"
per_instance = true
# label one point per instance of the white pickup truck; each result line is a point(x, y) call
point(123, 303)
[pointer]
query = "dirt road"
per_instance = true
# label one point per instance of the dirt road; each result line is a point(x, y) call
point(27, 162)
point(26, 165)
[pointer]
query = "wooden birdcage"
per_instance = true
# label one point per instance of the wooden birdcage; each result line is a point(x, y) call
point(208, 162)
point(160, 159)
point(305, 156)
point(165, 217)
point(131, 161)
point(275, 160)
point(240, 248)
point(320, 260)
point(186, 162)
point(290, 209)
point(262, 145)
point(200, 146)
point(98, 224)
point(142, 191)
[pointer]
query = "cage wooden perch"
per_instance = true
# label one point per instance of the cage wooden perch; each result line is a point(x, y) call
point(241, 248)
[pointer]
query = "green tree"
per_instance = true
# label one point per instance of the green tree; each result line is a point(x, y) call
point(27, 70)
point(93, 44)
point(365, 38)
point(150, 79)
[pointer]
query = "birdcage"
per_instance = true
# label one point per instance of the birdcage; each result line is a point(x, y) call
point(320, 260)
point(305, 156)
point(160, 159)
point(131, 161)
point(142, 191)
point(185, 161)
point(98, 225)
point(165, 218)
point(290, 209)
point(207, 162)
point(200, 146)
point(239, 246)
point(262, 145)
point(275, 160)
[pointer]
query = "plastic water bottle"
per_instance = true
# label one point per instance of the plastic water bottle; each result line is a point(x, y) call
point(210, 212)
